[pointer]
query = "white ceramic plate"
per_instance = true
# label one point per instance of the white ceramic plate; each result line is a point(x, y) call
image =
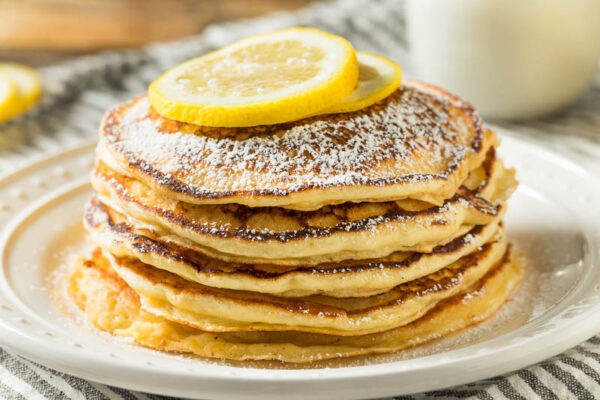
point(554, 217)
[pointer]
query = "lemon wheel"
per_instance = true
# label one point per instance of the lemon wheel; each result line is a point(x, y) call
point(261, 80)
point(378, 77)
point(26, 89)
point(8, 98)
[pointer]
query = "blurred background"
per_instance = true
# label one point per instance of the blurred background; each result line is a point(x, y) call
point(42, 32)
point(531, 66)
point(512, 59)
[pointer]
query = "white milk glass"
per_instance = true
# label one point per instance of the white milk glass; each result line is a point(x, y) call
point(510, 58)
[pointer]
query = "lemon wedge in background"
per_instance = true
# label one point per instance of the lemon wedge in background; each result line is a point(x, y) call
point(378, 77)
point(8, 98)
point(264, 79)
point(27, 88)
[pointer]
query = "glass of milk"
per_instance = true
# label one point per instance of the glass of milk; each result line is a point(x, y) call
point(511, 59)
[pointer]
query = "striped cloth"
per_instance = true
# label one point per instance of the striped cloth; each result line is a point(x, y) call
point(78, 92)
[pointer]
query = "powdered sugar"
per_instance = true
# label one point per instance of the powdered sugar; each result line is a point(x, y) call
point(409, 136)
point(470, 238)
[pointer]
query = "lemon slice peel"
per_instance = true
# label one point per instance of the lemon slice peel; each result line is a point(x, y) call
point(8, 98)
point(264, 79)
point(27, 87)
point(378, 78)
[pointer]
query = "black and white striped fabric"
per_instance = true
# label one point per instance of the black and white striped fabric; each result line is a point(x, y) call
point(77, 93)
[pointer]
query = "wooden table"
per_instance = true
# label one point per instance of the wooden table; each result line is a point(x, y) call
point(41, 32)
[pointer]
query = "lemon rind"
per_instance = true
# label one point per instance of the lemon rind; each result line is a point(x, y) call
point(381, 93)
point(269, 112)
point(9, 100)
point(22, 98)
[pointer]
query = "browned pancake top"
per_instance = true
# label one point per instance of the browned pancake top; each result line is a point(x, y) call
point(418, 133)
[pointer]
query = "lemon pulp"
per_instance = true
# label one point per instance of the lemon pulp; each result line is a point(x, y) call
point(261, 80)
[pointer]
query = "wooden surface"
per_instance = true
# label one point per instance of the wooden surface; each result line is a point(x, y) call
point(40, 32)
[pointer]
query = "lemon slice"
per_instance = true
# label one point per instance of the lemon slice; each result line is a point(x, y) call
point(27, 83)
point(261, 80)
point(378, 77)
point(8, 98)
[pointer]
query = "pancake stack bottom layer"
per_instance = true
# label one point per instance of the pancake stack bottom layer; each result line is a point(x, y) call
point(330, 237)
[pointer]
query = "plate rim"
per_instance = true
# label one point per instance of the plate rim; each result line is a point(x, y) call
point(23, 344)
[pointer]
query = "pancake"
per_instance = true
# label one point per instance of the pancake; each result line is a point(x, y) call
point(223, 310)
point(333, 233)
point(351, 278)
point(333, 236)
point(120, 313)
point(419, 143)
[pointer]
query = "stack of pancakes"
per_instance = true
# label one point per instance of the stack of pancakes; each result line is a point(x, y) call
point(328, 237)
